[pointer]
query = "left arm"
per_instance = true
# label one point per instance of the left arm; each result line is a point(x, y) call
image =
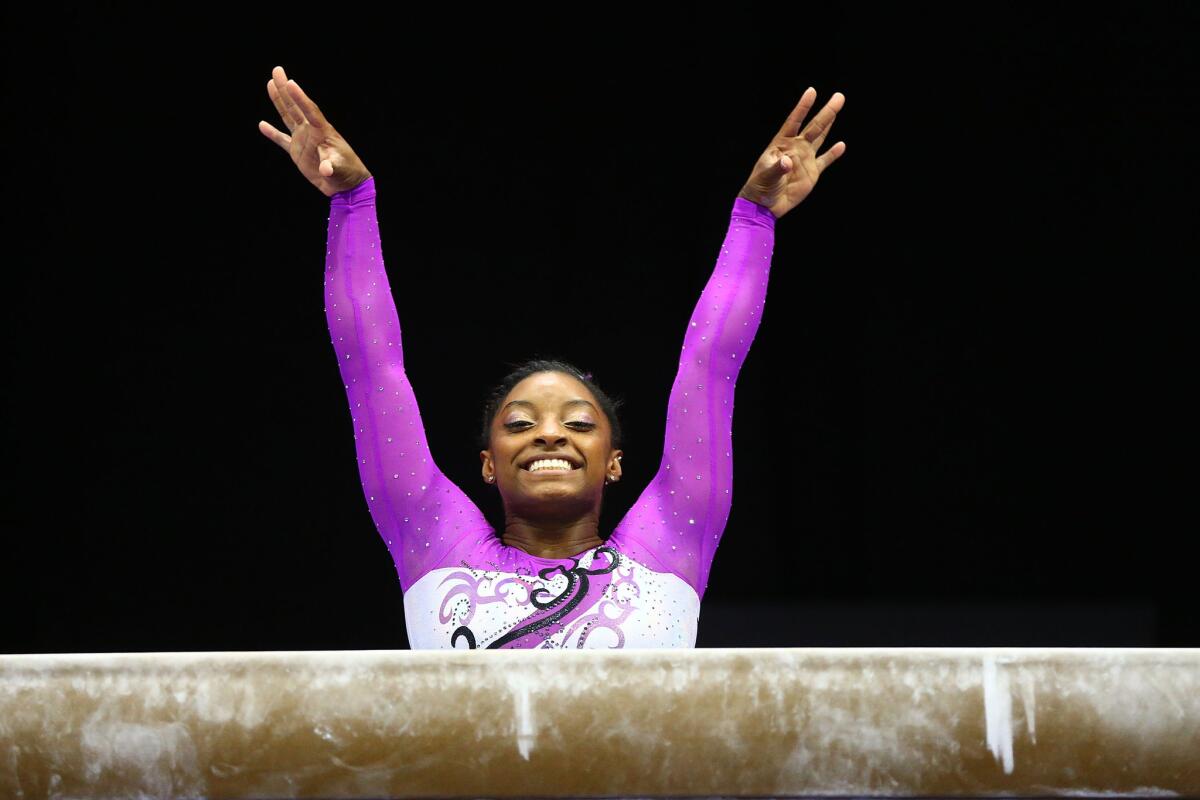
point(677, 522)
point(679, 518)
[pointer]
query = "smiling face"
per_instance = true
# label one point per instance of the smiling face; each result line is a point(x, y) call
point(549, 418)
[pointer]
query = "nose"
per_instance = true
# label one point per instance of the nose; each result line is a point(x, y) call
point(551, 432)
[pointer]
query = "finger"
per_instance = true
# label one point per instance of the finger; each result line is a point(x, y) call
point(311, 113)
point(277, 100)
point(275, 135)
point(829, 156)
point(816, 130)
point(792, 124)
point(292, 116)
point(820, 140)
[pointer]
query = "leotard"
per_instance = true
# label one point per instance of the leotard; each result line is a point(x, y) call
point(462, 586)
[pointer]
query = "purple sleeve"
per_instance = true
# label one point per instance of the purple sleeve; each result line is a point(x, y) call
point(418, 511)
point(678, 520)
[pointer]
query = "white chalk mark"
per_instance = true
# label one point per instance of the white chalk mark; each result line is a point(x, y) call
point(1027, 700)
point(997, 708)
point(526, 729)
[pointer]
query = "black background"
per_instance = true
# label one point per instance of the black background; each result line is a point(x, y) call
point(961, 422)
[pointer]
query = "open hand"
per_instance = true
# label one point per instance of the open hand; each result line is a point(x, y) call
point(319, 151)
point(789, 168)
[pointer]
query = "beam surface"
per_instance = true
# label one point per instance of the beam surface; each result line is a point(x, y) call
point(717, 722)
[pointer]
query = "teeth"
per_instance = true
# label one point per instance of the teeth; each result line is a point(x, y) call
point(549, 463)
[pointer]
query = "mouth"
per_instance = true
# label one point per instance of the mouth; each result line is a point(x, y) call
point(555, 465)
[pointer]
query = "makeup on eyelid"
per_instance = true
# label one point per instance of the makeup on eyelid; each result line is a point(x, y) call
point(568, 422)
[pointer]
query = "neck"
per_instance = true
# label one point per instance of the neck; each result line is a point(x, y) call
point(552, 540)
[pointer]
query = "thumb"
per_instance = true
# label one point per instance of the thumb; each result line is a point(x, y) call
point(783, 163)
point(326, 168)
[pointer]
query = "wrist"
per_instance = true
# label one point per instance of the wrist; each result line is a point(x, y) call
point(763, 208)
point(754, 197)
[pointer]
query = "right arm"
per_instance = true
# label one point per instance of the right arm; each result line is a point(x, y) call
point(418, 511)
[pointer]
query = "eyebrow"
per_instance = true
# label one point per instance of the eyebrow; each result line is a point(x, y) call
point(568, 403)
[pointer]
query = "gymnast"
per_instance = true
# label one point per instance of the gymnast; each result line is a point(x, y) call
point(550, 437)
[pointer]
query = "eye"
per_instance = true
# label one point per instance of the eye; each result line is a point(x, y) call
point(521, 424)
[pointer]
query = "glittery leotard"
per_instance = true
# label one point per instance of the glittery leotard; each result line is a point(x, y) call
point(462, 586)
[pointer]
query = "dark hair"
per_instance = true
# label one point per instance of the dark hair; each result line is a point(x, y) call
point(497, 394)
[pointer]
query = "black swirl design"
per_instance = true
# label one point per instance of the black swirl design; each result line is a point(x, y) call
point(577, 589)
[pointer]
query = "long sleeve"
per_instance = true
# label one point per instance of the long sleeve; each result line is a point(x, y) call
point(679, 519)
point(418, 511)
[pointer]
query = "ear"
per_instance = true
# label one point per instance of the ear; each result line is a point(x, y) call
point(614, 465)
point(487, 467)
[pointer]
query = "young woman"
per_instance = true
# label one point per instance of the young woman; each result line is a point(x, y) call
point(550, 440)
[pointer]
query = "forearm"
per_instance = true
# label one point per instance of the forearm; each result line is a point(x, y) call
point(359, 306)
point(726, 317)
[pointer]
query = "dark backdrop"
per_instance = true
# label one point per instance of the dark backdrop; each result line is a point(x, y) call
point(960, 422)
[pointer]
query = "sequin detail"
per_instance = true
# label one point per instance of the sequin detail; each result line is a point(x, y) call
point(433, 530)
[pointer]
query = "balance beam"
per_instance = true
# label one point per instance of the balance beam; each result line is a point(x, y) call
point(724, 722)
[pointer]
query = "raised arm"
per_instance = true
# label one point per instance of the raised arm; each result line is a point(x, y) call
point(420, 513)
point(677, 522)
point(679, 518)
